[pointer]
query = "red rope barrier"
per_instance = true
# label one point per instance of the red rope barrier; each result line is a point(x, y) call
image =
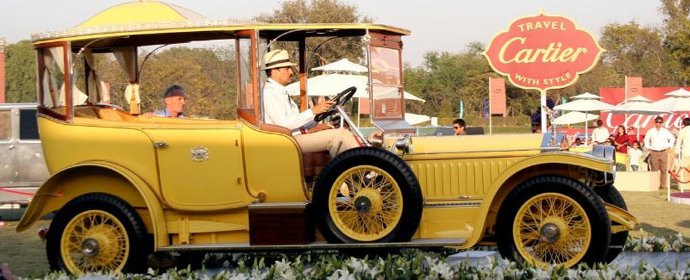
point(675, 176)
point(16, 192)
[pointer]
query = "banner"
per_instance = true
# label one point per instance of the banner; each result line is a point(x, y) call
point(497, 89)
point(363, 106)
point(615, 96)
point(633, 86)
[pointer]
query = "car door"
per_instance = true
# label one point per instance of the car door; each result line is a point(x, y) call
point(7, 148)
point(32, 170)
point(200, 168)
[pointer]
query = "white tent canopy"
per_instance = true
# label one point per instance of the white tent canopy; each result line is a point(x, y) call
point(585, 102)
point(342, 65)
point(396, 94)
point(331, 84)
point(584, 105)
point(574, 117)
point(677, 101)
point(637, 105)
point(586, 95)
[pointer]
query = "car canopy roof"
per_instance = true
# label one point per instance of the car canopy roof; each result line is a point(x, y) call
point(154, 22)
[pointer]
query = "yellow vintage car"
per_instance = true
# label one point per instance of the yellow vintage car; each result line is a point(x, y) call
point(124, 185)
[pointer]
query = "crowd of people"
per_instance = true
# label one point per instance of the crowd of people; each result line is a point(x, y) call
point(650, 154)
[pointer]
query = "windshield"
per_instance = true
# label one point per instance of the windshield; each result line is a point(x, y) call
point(386, 83)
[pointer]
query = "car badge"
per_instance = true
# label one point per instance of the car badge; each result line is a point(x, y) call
point(199, 154)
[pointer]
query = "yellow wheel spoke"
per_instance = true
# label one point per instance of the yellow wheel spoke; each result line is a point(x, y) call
point(377, 196)
point(562, 216)
point(102, 229)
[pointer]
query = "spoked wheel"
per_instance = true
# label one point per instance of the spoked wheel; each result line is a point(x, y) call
point(553, 220)
point(367, 195)
point(363, 208)
point(96, 233)
point(611, 195)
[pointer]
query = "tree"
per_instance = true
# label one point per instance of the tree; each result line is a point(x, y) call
point(20, 63)
point(321, 50)
point(677, 40)
point(636, 51)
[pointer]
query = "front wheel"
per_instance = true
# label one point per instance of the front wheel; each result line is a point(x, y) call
point(97, 233)
point(553, 220)
point(367, 195)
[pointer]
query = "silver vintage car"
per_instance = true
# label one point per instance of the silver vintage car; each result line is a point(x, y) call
point(22, 167)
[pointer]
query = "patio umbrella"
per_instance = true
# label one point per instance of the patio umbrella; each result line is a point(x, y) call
point(637, 105)
point(585, 95)
point(585, 102)
point(574, 117)
point(331, 84)
point(677, 101)
point(395, 94)
point(342, 65)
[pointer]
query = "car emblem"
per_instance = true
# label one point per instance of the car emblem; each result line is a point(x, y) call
point(199, 154)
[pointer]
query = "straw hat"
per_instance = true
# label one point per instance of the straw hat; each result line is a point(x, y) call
point(277, 59)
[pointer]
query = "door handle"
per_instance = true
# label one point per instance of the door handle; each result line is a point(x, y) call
point(160, 145)
point(11, 147)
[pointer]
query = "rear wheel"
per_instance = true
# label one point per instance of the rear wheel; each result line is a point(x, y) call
point(610, 194)
point(553, 220)
point(367, 195)
point(97, 233)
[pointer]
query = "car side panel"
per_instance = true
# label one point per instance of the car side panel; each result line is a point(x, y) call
point(273, 165)
point(200, 167)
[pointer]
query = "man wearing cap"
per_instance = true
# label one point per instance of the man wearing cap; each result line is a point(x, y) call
point(174, 99)
point(279, 109)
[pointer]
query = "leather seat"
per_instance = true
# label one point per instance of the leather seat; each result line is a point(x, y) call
point(312, 163)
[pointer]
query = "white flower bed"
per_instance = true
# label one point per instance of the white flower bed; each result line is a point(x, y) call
point(410, 264)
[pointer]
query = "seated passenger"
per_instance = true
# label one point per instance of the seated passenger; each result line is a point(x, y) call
point(174, 99)
point(279, 109)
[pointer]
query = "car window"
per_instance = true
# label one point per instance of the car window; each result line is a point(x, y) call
point(5, 125)
point(28, 126)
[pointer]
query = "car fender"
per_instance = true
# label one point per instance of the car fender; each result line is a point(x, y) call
point(50, 197)
point(549, 163)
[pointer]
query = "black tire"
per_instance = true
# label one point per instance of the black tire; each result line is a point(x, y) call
point(96, 218)
point(377, 177)
point(610, 194)
point(538, 202)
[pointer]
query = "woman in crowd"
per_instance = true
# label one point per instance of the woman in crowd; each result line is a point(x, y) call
point(620, 139)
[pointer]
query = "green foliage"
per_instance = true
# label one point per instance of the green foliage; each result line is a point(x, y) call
point(321, 50)
point(20, 63)
point(633, 50)
point(207, 74)
point(677, 40)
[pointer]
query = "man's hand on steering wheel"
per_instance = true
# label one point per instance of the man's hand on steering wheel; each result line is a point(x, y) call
point(322, 107)
point(339, 100)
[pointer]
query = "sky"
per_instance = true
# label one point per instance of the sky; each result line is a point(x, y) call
point(436, 25)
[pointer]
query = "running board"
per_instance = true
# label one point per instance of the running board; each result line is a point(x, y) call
point(317, 245)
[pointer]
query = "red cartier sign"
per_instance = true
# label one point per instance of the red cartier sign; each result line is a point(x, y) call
point(543, 52)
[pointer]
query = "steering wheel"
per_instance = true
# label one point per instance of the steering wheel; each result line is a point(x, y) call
point(340, 100)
